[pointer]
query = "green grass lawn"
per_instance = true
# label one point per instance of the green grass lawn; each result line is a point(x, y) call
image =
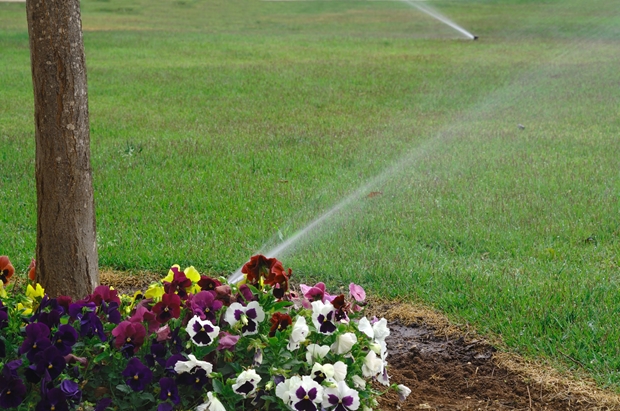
point(221, 126)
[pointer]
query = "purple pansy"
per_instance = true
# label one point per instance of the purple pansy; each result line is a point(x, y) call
point(205, 305)
point(169, 390)
point(54, 400)
point(138, 375)
point(48, 363)
point(72, 391)
point(37, 339)
point(12, 390)
point(65, 338)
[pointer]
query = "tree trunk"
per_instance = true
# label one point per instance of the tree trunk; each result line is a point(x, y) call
point(66, 239)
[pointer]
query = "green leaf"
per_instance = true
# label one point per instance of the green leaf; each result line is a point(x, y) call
point(218, 387)
point(101, 357)
point(124, 388)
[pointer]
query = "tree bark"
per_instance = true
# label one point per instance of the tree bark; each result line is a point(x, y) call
point(67, 262)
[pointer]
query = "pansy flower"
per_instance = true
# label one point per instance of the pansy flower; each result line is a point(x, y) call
point(205, 304)
point(103, 293)
point(72, 391)
point(357, 292)
point(323, 317)
point(212, 404)
point(142, 315)
point(301, 393)
point(4, 316)
point(341, 398)
point(48, 361)
point(403, 391)
point(129, 336)
point(202, 332)
point(227, 341)
point(191, 365)
point(138, 375)
point(246, 383)
point(344, 343)
point(37, 339)
point(279, 322)
point(248, 316)
point(169, 390)
point(65, 338)
point(208, 284)
point(53, 400)
point(342, 308)
point(12, 391)
point(258, 267)
point(32, 270)
point(6, 269)
point(315, 293)
point(316, 353)
point(169, 307)
point(278, 279)
point(177, 282)
point(377, 332)
point(298, 334)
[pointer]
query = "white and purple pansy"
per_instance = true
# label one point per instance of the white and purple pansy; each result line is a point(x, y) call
point(323, 317)
point(249, 316)
point(202, 332)
point(246, 383)
point(341, 398)
point(303, 394)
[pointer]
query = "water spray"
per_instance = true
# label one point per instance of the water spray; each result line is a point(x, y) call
point(434, 13)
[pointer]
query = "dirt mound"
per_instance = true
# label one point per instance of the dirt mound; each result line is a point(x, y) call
point(447, 370)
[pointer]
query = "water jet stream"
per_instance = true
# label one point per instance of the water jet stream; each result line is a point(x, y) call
point(434, 13)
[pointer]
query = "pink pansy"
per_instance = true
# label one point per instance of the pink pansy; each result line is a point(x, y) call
point(227, 341)
point(163, 333)
point(316, 293)
point(143, 314)
point(357, 292)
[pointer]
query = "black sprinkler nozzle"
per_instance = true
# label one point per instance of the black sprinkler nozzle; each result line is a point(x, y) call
point(475, 37)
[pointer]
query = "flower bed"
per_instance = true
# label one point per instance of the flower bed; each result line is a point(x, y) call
point(192, 342)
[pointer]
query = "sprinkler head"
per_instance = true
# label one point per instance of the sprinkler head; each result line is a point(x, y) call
point(475, 38)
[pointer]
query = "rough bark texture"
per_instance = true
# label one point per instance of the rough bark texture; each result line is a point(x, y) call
point(66, 239)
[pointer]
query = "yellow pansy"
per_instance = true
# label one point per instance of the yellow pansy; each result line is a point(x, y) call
point(2, 290)
point(195, 289)
point(192, 274)
point(155, 291)
point(25, 309)
point(34, 293)
point(170, 275)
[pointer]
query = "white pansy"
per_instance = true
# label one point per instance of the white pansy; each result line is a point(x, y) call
point(340, 371)
point(316, 353)
point(187, 366)
point(246, 383)
point(378, 331)
point(202, 332)
point(344, 343)
point(283, 390)
point(359, 382)
point(212, 404)
point(299, 333)
point(403, 391)
point(373, 365)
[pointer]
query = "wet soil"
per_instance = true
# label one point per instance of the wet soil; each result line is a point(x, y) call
point(450, 373)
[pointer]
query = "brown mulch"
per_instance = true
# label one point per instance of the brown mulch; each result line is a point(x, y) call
point(452, 368)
